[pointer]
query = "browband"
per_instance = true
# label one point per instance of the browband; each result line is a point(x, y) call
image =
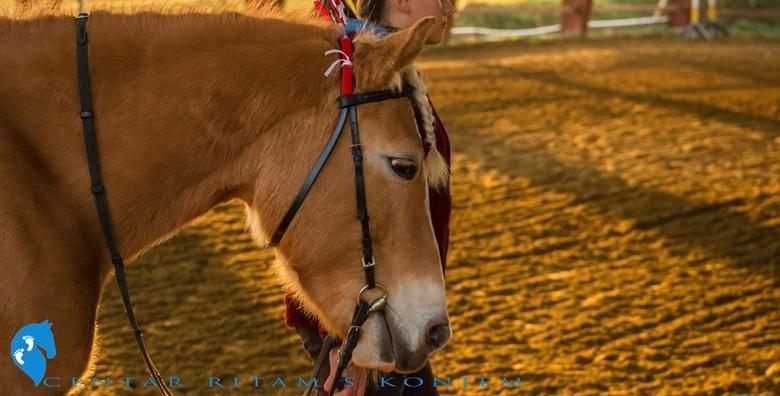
point(368, 97)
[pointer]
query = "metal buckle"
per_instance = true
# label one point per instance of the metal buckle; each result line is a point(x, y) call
point(378, 304)
point(369, 264)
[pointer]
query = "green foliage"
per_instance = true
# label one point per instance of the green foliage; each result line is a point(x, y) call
point(752, 28)
point(753, 4)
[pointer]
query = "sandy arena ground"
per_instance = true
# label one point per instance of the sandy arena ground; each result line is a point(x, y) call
point(616, 230)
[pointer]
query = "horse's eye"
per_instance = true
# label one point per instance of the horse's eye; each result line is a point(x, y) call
point(403, 167)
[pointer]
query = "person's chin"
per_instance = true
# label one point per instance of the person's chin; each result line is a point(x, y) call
point(433, 40)
point(435, 36)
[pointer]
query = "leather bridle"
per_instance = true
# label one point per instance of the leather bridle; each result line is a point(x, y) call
point(348, 102)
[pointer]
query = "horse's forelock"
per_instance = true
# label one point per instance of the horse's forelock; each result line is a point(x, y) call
point(436, 170)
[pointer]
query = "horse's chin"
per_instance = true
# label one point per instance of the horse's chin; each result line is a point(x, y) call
point(375, 348)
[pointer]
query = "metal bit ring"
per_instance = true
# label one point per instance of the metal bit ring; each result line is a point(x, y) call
point(379, 303)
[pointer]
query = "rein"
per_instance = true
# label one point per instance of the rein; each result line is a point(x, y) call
point(348, 102)
point(99, 193)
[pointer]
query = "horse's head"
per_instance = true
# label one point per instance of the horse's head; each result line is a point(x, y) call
point(320, 255)
point(46, 339)
point(37, 335)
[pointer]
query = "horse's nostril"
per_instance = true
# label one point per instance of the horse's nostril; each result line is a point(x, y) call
point(438, 336)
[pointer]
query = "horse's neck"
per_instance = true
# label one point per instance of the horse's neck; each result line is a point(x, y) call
point(185, 118)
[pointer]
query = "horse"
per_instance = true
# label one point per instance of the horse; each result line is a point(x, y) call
point(191, 111)
point(253, 5)
point(25, 349)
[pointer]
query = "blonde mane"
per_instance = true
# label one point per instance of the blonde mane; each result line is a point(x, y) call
point(436, 169)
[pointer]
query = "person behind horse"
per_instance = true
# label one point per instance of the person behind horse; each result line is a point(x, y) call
point(383, 17)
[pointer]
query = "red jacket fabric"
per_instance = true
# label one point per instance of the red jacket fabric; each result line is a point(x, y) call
point(441, 208)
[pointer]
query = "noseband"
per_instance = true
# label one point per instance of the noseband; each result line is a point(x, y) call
point(348, 102)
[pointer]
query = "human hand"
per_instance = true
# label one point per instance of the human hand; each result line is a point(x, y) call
point(358, 376)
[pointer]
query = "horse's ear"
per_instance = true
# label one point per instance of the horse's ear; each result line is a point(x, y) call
point(379, 63)
point(408, 43)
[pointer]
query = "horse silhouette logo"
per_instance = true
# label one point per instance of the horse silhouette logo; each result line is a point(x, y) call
point(25, 350)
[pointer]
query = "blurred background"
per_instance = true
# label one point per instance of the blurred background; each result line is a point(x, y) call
point(494, 19)
point(616, 225)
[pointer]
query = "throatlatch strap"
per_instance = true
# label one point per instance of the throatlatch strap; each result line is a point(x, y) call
point(99, 192)
point(309, 182)
point(344, 102)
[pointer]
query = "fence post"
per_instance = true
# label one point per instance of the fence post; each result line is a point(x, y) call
point(575, 15)
point(679, 12)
